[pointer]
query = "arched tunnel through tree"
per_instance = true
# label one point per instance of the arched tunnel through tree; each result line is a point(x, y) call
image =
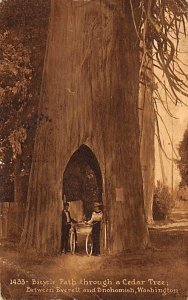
point(92, 99)
point(82, 179)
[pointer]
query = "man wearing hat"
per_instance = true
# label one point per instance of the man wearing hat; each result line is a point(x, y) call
point(66, 225)
point(95, 221)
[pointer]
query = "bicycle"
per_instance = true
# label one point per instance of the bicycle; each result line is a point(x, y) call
point(83, 229)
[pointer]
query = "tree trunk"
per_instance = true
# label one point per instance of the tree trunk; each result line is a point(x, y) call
point(89, 96)
point(16, 218)
point(147, 138)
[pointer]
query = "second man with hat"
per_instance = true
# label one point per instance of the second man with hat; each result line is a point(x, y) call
point(95, 221)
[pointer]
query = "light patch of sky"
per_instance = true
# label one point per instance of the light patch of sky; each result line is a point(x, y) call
point(178, 127)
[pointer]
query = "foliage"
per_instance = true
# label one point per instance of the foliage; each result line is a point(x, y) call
point(80, 183)
point(162, 202)
point(23, 32)
point(16, 139)
point(182, 163)
point(22, 14)
point(162, 25)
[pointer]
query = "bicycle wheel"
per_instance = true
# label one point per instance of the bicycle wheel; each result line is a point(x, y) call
point(72, 242)
point(89, 244)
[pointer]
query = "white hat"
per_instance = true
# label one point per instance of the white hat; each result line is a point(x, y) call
point(97, 204)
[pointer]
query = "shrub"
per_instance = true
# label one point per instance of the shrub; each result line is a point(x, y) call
point(162, 202)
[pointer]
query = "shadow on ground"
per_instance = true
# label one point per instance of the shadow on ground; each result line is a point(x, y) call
point(160, 272)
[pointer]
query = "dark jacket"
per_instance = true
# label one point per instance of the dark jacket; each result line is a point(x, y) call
point(64, 218)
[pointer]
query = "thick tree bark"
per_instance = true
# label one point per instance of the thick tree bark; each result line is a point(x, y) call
point(18, 201)
point(89, 96)
point(147, 151)
point(147, 138)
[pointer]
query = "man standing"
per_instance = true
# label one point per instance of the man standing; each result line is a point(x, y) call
point(66, 225)
point(95, 221)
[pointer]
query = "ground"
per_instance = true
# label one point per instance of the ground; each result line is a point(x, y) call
point(160, 272)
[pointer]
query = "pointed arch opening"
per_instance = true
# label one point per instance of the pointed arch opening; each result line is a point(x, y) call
point(82, 181)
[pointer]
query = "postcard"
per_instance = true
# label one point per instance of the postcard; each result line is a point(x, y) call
point(94, 149)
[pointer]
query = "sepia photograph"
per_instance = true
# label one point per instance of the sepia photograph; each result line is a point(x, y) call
point(93, 149)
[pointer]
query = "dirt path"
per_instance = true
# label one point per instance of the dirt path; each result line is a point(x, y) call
point(178, 221)
point(68, 276)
